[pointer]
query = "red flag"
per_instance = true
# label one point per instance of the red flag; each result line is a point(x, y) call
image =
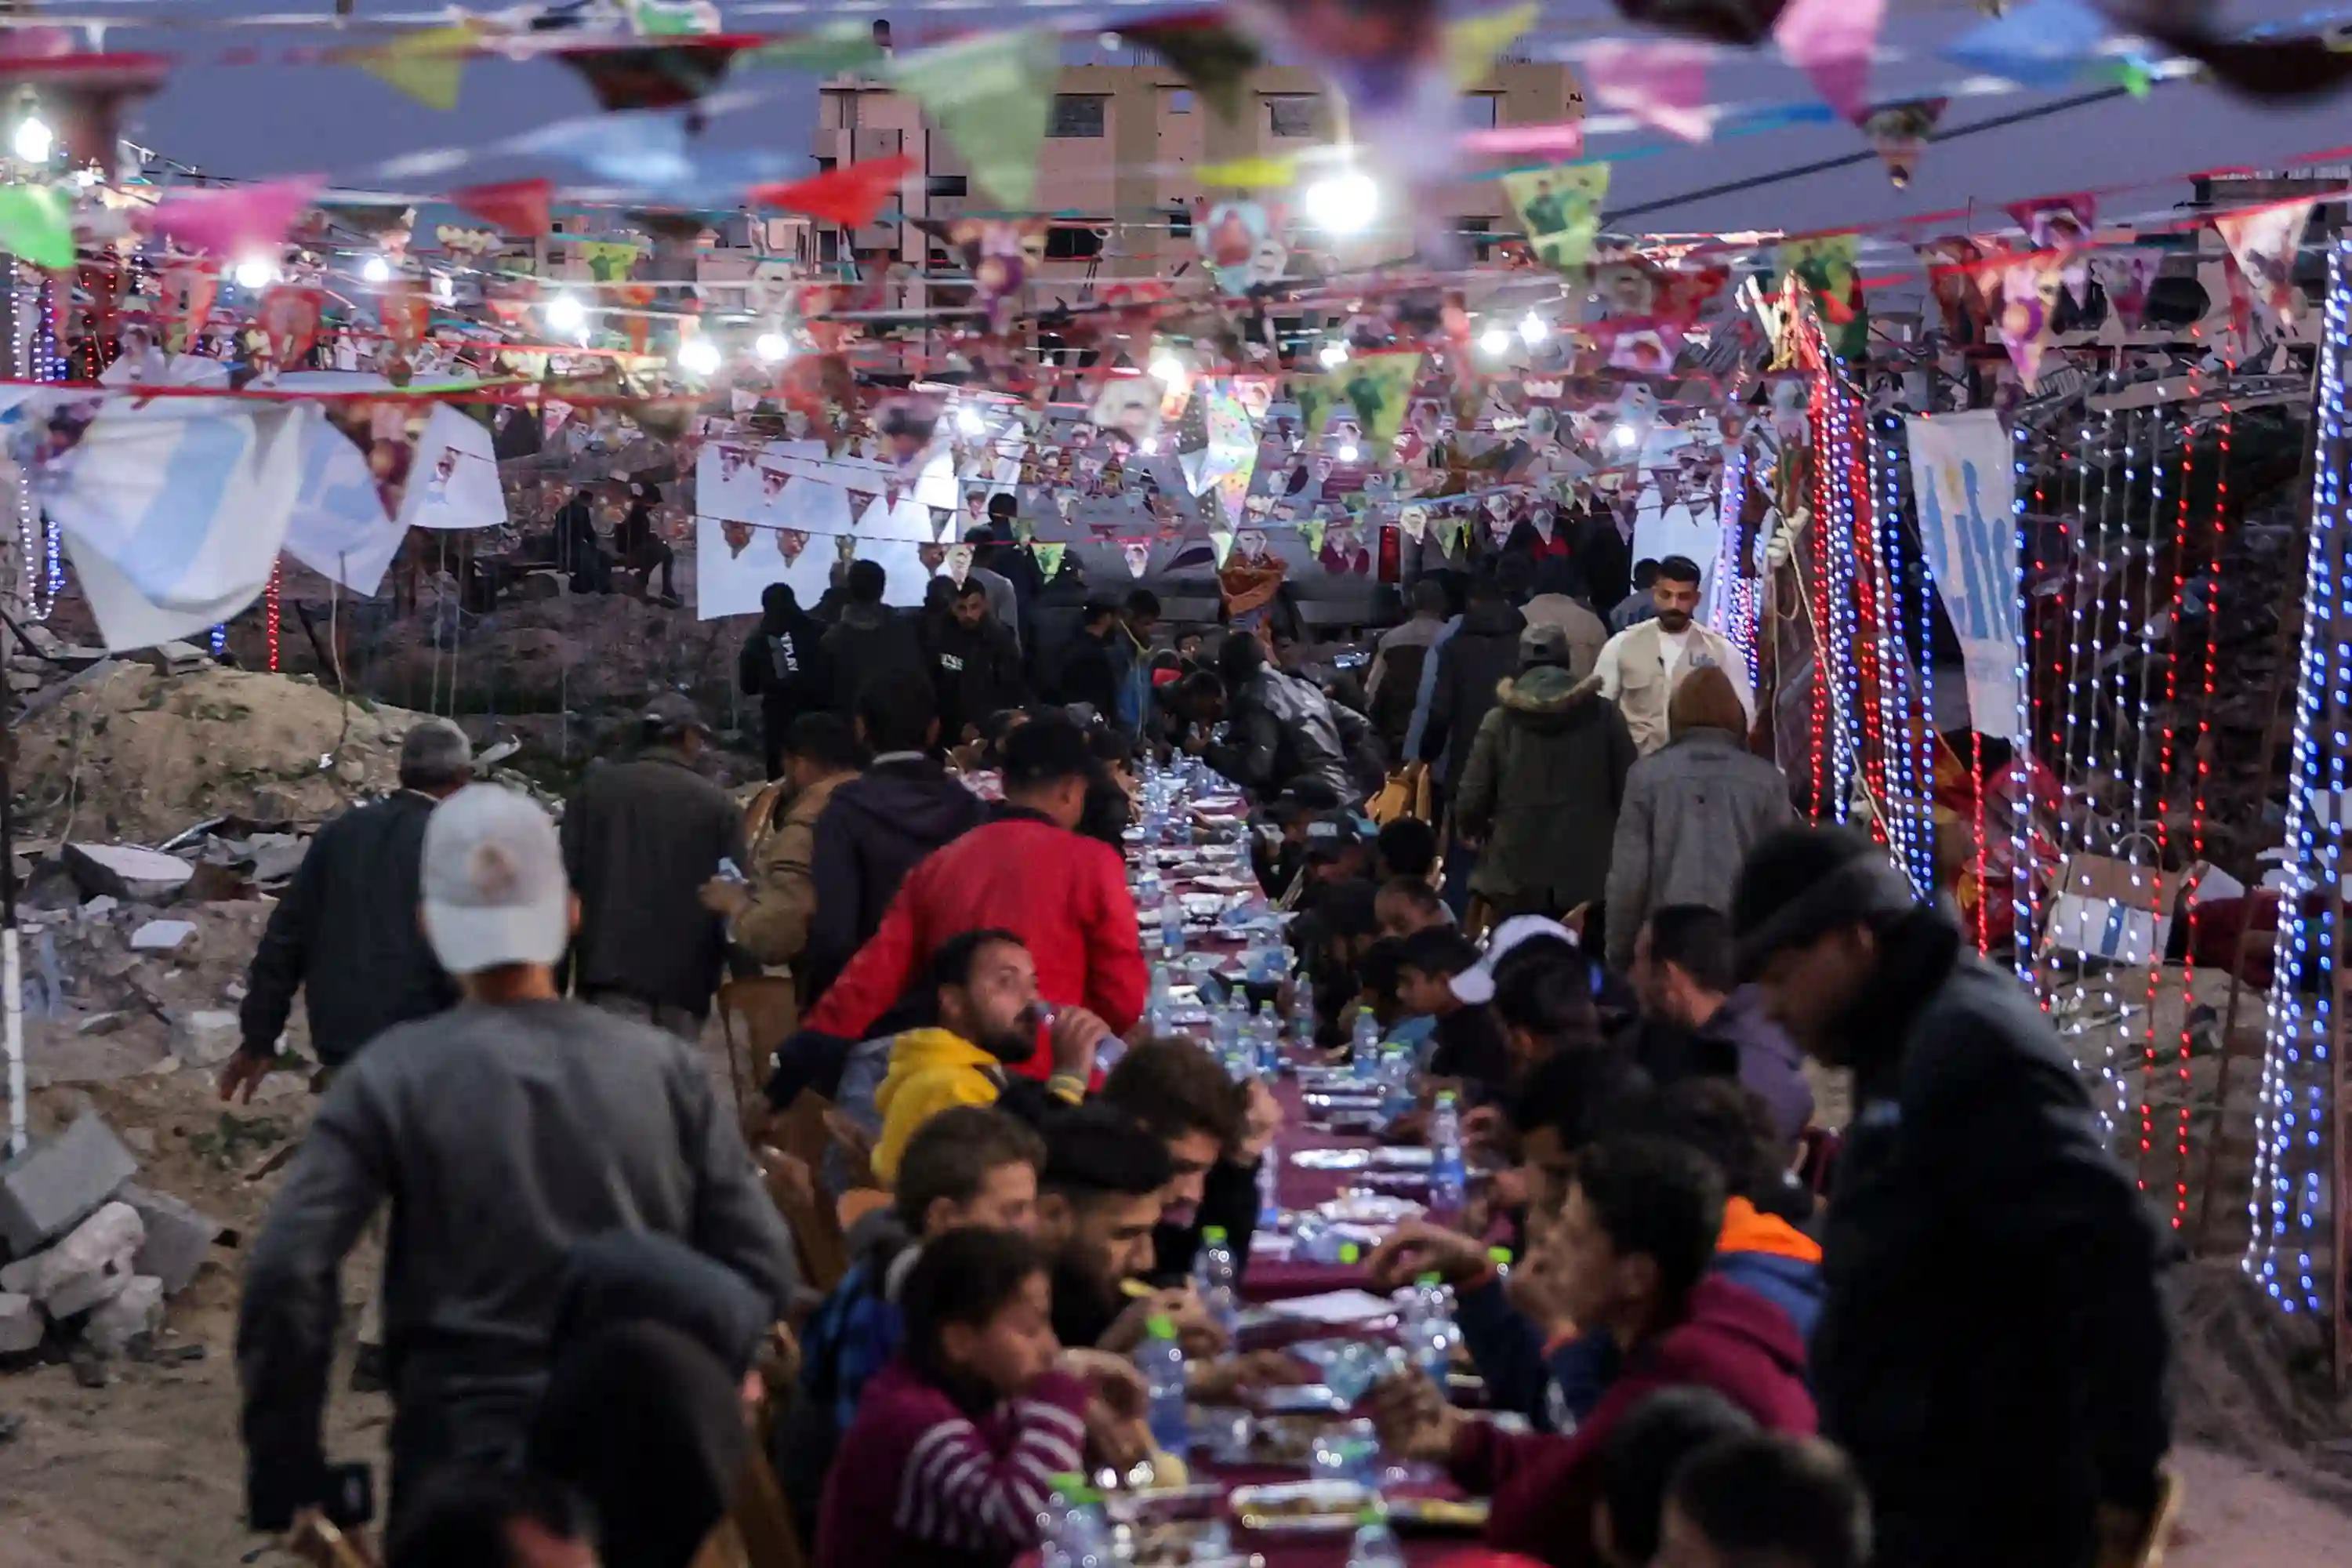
point(513, 207)
point(849, 196)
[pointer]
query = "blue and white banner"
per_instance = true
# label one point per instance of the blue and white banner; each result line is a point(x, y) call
point(339, 529)
point(1963, 476)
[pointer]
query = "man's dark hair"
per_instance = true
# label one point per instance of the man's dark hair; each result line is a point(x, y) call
point(1196, 688)
point(1548, 993)
point(1344, 908)
point(436, 755)
point(1515, 576)
point(1429, 598)
point(1642, 1452)
point(1096, 1151)
point(1695, 940)
point(950, 1155)
point(1415, 892)
point(461, 1516)
point(1656, 1197)
point(864, 582)
point(964, 1277)
point(969, 587)
point(1143, 604)
point(825, 739)
point(1099, 606)
point(1724, 1120)
point(952, 960)
point(1776, 1498)
point(1044, 752)
point(1798, 884)
point(1173, 1087)
point(979, 535)
point(778, 598)
point(1679, 568)
point(898, 708)
point(1439, 952)
point(1408, 847)
point(1004, 507)
point(1239, 656)
point(1377, 968)
point(1484, 590)
point(1644, 574)
point(1581, 1095)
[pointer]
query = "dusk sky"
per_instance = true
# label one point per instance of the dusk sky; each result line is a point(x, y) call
point(277, 119)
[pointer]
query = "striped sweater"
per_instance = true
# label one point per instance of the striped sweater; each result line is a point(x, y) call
point(918, 1481)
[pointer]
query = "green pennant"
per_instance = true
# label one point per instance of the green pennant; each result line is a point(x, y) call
point(831, 50)
point(1560, 208)
point(1377, 387)
point(992, 95)
point(1825, 264)
point(1049, 559)
point(37, 224)
point(1314, 400)
point(427, 65)
point(1313, 531)
point(1221, 545)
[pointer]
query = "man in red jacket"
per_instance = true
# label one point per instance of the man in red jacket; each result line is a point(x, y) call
point(1028, 872)
point(1629, 1250)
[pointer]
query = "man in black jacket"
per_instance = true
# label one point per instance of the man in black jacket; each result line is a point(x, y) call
point(870, 638)
point(502, 1133)
point(1092, 670)
point(640, 839)
point(1279, 729)
point(1216, 1132)
point(346, 933)
point(1993, 1345)
point(880, 824)
point(975, 664)
point(783, 665)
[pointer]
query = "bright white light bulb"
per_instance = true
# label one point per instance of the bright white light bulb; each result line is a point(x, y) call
point(698, 356)
point(1534, 328)
point(1344, 203)
point(375, 269)
point(565, 314)
point(34, 140)
point(1495, 340)
point(1167, 370)
point(1349, 453)
point(254, 273)
point(1151, 445)
point(773, 346)
point(969, 421)
point(1334, 354)
point(1623, 436)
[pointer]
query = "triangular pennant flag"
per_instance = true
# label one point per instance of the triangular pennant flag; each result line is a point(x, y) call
point(1214, 58)
point(1560, 208)
point(1414, 520)
point(849, 196)
point(1662, 84)
point(1379, 387)
point(233, 220)
point(958, 562)
point(518, 207)
point(992, 95)
point(1450, 528)
point(1049, 559)
point(2264, 242)
point(671, 75)
point(1137, 555)
point(1546, 522)
point(1221, 545)
point(1825, 265)
point(1899, 133)
point(2125, 276)
point(1312, 530)
point(427, 65)
point(1195, 467)
point(2029, 298)
point(1472, 43)
point(2041, 44)
point(2062, 224)
point(834, 49)
point(37, 224)
point(1253, 172)
point(1831, 41)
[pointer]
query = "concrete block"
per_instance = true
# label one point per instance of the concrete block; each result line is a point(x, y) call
point(172, 658)
point(178, 1237)
point(21, 1323)
point(91, 1265)
point(163, 936)
point(18, 1278)
point(125, 871)
point(137, 1309)
point(53, 1186)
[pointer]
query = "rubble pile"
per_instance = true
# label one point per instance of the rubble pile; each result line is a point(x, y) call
point(93, 1255)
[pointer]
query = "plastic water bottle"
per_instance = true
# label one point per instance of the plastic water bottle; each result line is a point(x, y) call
point(1160, 1360)
point(1269, 1202)
point(1268, 1029)
point(1395, 1079)
point(1214, 1275)
point(1375, 1545)
point(1076, 1533)
point(1171, 925)
point(1448, 1180)
point(1365, 1056)
point(1500, 1259)
point(1428, 1327)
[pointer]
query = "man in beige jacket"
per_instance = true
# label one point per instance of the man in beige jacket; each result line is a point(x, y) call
point(1642, 665)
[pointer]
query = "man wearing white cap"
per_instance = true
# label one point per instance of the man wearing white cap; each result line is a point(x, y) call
point(503, 1132)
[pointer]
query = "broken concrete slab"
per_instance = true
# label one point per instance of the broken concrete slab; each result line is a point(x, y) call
point(205, 1038)
point(21, 1323)
point(125, 871)
point(163, 936)
point(54, 1185)
point(92, 1264)
point(171, 658)
point(178, 1237)
point(137, 1309)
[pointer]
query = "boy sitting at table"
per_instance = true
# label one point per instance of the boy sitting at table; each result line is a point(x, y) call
point(1632, 1244)
point(1468, 1046)
point(949, 1459)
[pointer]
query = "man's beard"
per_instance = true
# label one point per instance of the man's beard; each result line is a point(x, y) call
point(1673, 620)
point(1014, 1046)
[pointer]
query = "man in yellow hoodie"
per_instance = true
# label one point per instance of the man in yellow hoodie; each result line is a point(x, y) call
point(983, 987)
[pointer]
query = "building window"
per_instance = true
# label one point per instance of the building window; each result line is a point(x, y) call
point(1481, 110)
point(1179, 221)
point(946, 186)
point(1291, 115)
point(825, 165)
point(841, 111)
point(1077, 114)
point(1065, 244)
point(828, 245)
point(1180, 101)
point(1472, 229)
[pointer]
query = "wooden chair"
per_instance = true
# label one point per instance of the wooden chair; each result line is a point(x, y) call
point(755, 1013)
point(816, 1230)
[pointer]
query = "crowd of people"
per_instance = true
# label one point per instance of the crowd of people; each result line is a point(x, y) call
point(1722, 1333)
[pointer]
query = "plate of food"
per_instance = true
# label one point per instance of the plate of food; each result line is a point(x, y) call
point(1331, 1158)
point(1439, 1516)
point(1403, 1156)
point(1301, 1507)
point(1369, 1208)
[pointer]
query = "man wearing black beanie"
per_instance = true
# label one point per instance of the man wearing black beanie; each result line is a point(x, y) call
point(1993, 1343)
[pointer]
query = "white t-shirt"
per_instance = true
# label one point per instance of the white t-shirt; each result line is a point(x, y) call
point(1678, 650)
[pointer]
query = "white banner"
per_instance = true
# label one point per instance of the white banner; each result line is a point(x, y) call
point(1963, 478)
point(339, 529)
point(777, 512)
point(453, 479)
